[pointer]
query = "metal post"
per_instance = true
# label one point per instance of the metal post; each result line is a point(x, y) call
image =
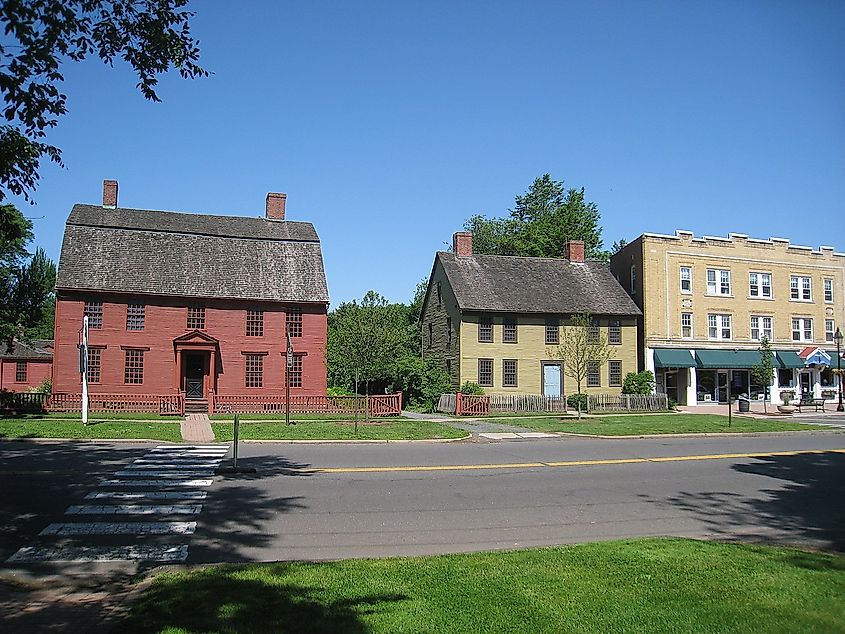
point(235, 443)
point(83, 368)
point(287, 380)
point(730, 373)
point(838, 338)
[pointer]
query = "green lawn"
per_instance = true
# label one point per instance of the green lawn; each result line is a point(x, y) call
point(274, 416)
point(381, 429)
point(94, 416)
point(649, 585)
point(630, 425)
point(53, 428)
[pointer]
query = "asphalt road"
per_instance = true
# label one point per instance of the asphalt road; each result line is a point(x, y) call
point(330, 501)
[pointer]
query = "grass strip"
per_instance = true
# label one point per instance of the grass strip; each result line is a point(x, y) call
point(145, 416)
point(659, 424)
point(381, 429)
point(646, 585)
point(276, 416)
point(45, 428)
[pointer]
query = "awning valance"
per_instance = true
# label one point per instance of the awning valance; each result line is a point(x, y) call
point(727, 359)
point(789, 360)
point(673, 358)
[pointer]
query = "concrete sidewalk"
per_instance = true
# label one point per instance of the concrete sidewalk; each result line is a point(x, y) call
point(197, 428)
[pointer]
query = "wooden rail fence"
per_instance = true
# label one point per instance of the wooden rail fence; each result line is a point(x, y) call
point(627, 403)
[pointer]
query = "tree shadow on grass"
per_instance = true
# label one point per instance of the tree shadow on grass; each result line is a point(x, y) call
point(225, 599)
point(805, 507)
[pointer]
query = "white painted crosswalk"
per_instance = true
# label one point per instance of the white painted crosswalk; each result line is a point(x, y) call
point(166, 482)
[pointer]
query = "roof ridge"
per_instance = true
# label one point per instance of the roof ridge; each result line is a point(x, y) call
point(180, 213)
point(520, 257)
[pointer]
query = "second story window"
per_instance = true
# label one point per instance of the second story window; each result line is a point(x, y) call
point(686, 279)
point(509, 330)
point(828, 290)
point(294, 322)
point(196, 317)
point(719, 327)
point(828, 330)
point(686, 325)
point(593, 332)
point(254, 323)
point(614, 332)
point(94, 312)
point(552, 333)
point(800, 288)
point(761, 327)
point(760, 285)
point(485, 330)
point(718, 282)
point(135, 314)
point(802, 329)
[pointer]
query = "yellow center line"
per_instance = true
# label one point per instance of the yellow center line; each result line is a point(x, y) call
point(569, 463)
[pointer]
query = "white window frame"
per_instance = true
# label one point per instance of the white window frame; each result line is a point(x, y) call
point(760, 285)
point(686, 325)
point(829, 328)
point(799, 327)
point(759, 324)
point(720, 284)
point(717, 325)
point(828, 290)
point(799, 286)
point(686, 270)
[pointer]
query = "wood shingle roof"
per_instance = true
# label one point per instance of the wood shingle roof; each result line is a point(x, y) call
point(508, 284)
point(191, 255)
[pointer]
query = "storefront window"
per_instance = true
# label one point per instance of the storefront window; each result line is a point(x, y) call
point(786, 378)
point(706, 385)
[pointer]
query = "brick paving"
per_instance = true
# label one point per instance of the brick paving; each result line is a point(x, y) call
point(197, 428)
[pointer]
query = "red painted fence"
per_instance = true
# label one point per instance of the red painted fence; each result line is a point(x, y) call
point(471, 405)
point(386, 405)
point(168, 404)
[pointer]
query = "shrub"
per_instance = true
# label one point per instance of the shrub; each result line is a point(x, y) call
point(577, 401)
point(673, 404)
point(338, 391)
point(422, 381)
point(471, 388)
point(638, 383)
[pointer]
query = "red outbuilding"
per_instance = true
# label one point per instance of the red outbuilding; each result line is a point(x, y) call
point(25, 366)
point(190, 304)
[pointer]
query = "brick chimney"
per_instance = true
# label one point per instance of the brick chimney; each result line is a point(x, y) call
point(109, 194)
point(573, 250)
point(462, 244)
point(275, 208)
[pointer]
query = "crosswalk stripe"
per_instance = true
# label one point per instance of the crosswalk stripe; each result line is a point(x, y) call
point(146, 495)
point(193, 482)
point(134, 509)
point(120, 528)
point(165, 554)
point(171, 466)
point(165, 473)
point(183, 447)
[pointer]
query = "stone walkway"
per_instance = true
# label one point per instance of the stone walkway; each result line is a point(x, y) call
point(197, 428)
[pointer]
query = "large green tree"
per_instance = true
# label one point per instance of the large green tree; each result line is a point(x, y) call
point(151, 36)
point(542, 220)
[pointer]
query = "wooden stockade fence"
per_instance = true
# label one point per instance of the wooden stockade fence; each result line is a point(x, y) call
point(627, 403)
point(527, 403)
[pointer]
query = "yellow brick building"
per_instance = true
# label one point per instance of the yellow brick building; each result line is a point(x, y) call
point(498, 320)
point(708, 301)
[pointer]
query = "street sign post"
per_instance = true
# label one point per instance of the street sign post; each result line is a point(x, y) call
point(83, 369)
point(289, 366)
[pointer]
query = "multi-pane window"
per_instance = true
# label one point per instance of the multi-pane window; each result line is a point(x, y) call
point(686, 279)
point(133, 367)
point(828, 330)
point(254, 323)
point(614, 332)
point(254, 370)
point(718, 282)
point(719, 326)
point(593, 332)
point(593, 374)
point(633, 281)
point(94, 355)
point(552, 333)
point(485, 372)
point(94, 312)
point(294, 322)
point(760, 285)
point(802, 329)
point(20, 371)
point(196, 317)
point(761, 327)
point(686, 325)
point(509, 330)
point(295, 371)
point(135, 314)
point(828, 290)
point(509, 373)
point(614, 373)
point(800, 288)
point(485, 330)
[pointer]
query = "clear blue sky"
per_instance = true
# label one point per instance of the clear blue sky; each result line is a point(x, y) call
point(390, 123)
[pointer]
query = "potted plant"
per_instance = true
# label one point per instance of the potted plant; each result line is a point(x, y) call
point(787, 407)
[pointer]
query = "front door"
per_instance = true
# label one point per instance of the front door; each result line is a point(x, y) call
point(722, 386)
point(551, 379)
point(806, 383)
point(195, 375)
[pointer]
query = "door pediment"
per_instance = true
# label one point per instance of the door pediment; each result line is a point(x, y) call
point(196, 339)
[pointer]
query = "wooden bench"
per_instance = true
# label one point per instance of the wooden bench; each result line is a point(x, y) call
point(817, 403)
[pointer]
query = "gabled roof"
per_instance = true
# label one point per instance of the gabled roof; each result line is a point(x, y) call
point(191, 255)
point(534, 285)
point(35, 349)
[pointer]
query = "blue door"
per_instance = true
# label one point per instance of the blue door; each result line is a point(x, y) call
point(551, 379)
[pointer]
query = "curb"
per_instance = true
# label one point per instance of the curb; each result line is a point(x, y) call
point(351, 441)
point(741, 434)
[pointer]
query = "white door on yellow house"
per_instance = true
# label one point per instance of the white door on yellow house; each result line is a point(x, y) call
point(551, 379)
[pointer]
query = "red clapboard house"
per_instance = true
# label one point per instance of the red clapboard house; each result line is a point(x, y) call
point(26, 365)
point(189, 304)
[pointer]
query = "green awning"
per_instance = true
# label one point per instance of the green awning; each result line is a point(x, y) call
point(727, 359)
point(673, 358)
point(789, 360)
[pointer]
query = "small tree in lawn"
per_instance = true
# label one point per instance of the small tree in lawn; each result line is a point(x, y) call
point(582, 345)
point(763, 371)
